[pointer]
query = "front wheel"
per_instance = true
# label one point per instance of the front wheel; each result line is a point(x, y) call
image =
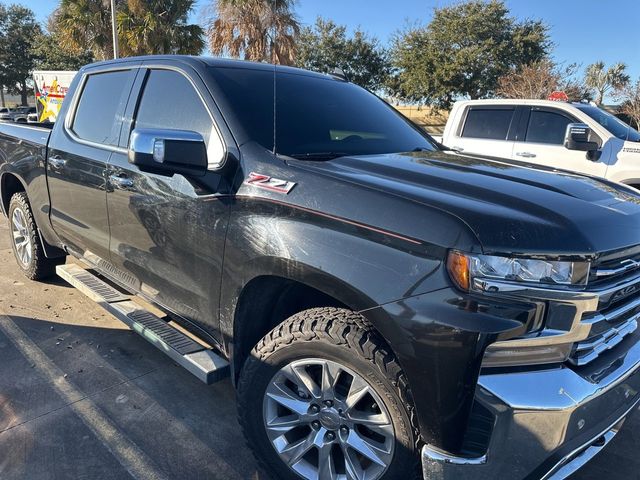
point(321, 397)
point(25, 241)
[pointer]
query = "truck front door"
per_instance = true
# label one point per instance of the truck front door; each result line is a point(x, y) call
point(542, 142)
point(167, 232)
point(79, 151)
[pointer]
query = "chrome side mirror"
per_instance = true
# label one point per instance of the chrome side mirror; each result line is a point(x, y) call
point(167, 152)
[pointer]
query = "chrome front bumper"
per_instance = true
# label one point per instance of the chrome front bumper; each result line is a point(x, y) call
point(548, 422)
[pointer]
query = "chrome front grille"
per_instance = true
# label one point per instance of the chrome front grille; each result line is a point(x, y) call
point(587, 351)
point(579, 325)
point(615, 266)
point(610, 325)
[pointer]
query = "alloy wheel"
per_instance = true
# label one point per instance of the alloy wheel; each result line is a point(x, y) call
point(21, 236)
point(326, 421)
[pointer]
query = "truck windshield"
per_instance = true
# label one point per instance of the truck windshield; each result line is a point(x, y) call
point(612, 123)
point(316, 118)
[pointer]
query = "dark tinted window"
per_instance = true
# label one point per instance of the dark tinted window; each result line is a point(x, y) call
point(492, 123)
point(102, 96)
point(315, 117)
point(246, 98)
point(185, 111)
point(547, 127)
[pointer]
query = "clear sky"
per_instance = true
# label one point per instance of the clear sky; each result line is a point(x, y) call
point(583, 31)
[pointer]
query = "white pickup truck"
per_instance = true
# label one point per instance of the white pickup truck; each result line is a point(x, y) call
point(570, 136)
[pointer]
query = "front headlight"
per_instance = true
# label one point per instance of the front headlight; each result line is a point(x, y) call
point(475, 272)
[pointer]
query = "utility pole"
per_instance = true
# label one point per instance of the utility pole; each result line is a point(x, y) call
point(114, 30)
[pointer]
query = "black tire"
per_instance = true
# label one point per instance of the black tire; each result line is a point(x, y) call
point(340, 336)
point(39, 266)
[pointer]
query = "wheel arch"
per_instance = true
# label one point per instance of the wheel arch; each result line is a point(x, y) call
point(266, 301)
point(10, 184)
point(277, 293)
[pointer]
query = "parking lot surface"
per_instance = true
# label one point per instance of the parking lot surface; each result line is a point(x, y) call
point(82, 397)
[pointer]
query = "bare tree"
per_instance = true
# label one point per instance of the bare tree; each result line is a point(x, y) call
point(629, 98)
point(538, 80)
point(603, 80)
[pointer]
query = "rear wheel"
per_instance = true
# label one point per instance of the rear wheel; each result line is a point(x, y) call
point(321, 397)
point(25, 242)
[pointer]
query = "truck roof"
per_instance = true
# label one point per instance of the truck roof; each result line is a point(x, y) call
point(516, 101)
point(209, 61)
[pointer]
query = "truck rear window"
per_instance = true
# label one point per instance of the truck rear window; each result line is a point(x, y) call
point(95, 118)
point(489, 123)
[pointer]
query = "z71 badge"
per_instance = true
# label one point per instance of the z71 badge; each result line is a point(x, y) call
point(269, 183)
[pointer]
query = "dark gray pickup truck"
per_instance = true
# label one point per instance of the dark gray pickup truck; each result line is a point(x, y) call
point(384, 306)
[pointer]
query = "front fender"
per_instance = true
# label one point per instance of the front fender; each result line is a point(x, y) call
point(360, 267)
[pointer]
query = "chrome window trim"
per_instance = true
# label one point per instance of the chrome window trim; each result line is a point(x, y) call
point(71, 114)
point(216, 128)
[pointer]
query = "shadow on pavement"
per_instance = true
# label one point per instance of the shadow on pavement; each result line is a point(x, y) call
point(90, 402)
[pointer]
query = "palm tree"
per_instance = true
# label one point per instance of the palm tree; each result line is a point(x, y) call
point(144, 27)
point(602, 80)
point(158, 27)
point(84, 24)
point(260, 30)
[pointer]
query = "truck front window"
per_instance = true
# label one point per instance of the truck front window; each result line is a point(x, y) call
point(316, 117)
point(612, 123)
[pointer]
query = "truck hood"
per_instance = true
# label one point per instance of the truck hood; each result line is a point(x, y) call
point(510, 207)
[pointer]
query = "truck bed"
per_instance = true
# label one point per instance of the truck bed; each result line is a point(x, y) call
point(36, 135)
point(23, 156)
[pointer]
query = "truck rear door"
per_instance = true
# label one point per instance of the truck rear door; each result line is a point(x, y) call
point(79, 151)
point(541, 141)
point(486, 130)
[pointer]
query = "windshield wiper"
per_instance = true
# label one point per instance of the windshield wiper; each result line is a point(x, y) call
point(317, 155)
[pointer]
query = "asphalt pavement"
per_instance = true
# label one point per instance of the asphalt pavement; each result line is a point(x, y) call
point(83, 397)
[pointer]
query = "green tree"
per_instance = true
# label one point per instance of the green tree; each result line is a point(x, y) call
point(158, 27)
point(259, 30)
point(48, 54)
point(18, 31)
point(85, 24)
point(463, 51)
point(144, 27)
point(602, 79)
point(326, 46)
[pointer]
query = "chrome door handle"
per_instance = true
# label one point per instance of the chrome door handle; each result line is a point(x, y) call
point(121, 182)
point(526, 154)
point(57, 162)
point(457, 149)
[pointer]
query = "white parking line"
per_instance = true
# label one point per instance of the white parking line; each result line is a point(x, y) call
point(124, 450)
